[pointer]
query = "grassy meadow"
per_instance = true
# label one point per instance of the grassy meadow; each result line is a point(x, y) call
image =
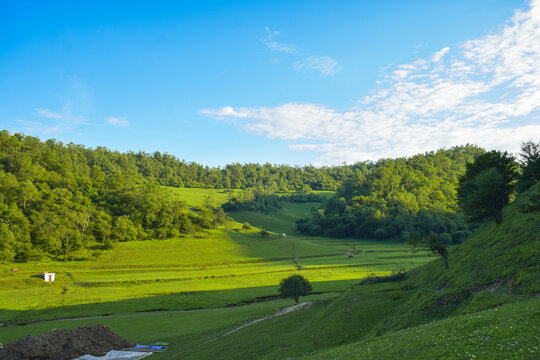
point(196, 196)
point(506, 332)
point(209, 270)
point(206, 295)
point(243, 263)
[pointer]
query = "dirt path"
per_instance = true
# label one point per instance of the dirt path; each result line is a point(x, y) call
point(278, 313)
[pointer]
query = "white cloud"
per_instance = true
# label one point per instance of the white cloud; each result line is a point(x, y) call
point(225, 112)
point(47, 121)
point(65, 116)
point(270, 41)
point(440, 54)
point(325, 65)
point(37, 127)
point(117, 121)
point(485, 91)
point(48, 113)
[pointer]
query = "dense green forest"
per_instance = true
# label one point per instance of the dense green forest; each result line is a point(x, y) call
point(397, 196)
point(419, 195)
point(56, 198)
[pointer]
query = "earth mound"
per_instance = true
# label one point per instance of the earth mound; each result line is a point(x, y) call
point(95, 340)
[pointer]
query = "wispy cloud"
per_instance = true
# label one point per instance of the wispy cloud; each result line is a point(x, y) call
point(117, 121)
point(47, 121)
point(440, 54)
point(226, 112)
point(485, 91)
point(325, 65)
point(66, 115)
point(39, 128)
point(270, 40)
point(47, 113)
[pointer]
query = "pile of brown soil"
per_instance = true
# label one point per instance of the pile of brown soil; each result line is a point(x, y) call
point(95, 340)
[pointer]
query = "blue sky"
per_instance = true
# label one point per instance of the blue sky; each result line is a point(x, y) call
point(296, 82)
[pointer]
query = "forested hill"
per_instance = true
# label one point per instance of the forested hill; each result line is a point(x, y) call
point(397, 196)
point(18, 153)
point(57, 198)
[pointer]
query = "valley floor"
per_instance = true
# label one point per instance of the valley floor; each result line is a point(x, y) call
point(214, 295)
point(142, 289)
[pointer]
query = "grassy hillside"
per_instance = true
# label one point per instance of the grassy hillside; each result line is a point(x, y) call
point(326, 323)
point(210, 269)
point(506, 332)
point(282, 221)
point(196, 196)
point(497, 265)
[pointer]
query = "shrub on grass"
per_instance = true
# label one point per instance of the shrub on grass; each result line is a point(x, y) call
point(374, 279)
point(246, 227)
point(294, 286)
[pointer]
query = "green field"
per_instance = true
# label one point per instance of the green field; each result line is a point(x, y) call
point(213, 294)
point(506, 332)
point(195, 196)
point(279, 222)
point(183, 330)
point(208, 271)
point(244, 263)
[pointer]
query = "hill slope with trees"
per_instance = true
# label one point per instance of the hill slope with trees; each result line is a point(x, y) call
point(398, 196)
point(57, 198)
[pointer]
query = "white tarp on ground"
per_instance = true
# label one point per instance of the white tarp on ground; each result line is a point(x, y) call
point(117, 355)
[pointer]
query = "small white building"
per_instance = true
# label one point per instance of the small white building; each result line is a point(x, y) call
point(48, 276)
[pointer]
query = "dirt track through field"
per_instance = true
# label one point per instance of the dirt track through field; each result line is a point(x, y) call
point(278, 313)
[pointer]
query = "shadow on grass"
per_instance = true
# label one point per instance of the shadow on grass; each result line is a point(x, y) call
point(194, 300)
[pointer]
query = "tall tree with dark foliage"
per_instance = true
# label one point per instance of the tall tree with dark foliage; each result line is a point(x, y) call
point(488, 186)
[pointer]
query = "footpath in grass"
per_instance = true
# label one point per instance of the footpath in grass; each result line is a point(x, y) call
point(183, 331)
point(327, 323)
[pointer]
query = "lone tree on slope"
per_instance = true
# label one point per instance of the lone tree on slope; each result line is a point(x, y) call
point(294, 286)
point(246, 227)
point(530, 164)
point(488, 185)
point(434, 245)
